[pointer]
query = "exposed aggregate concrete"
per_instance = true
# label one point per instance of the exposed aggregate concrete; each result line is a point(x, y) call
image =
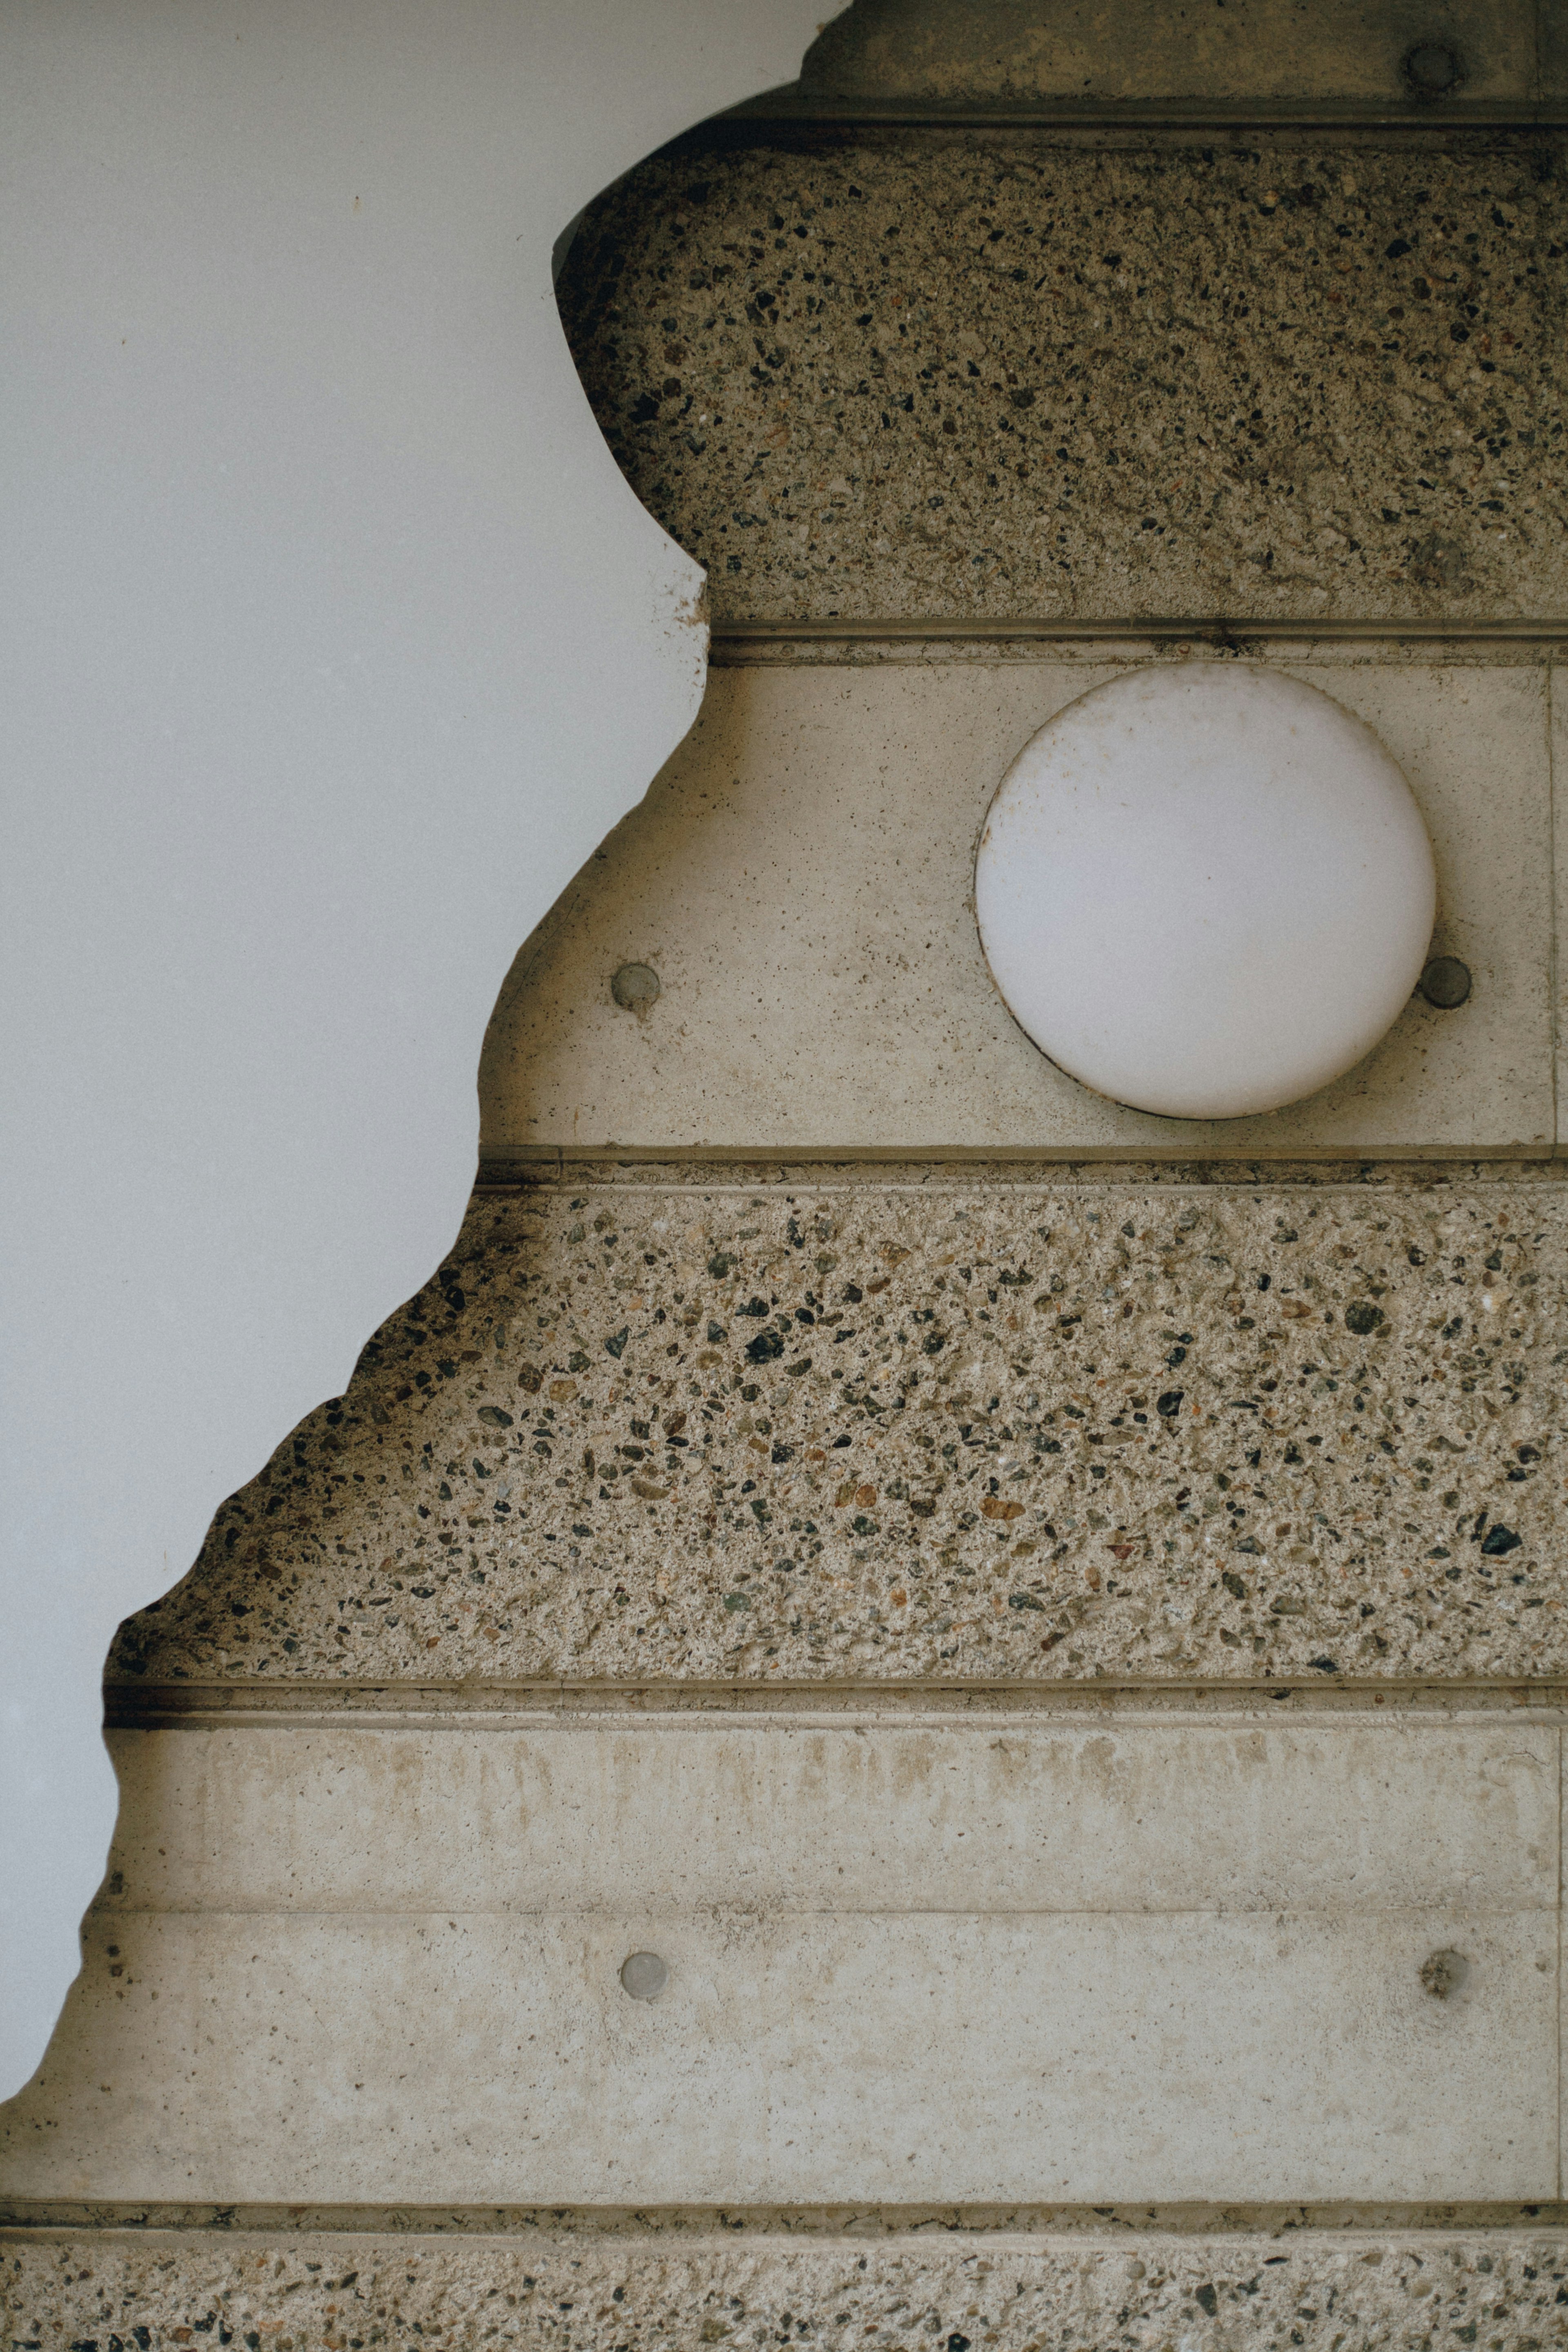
point(1350, 2292)
point(880, 1431)
point(906, 375)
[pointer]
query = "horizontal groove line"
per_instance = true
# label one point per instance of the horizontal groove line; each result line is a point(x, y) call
point(1416, 1165)
point(919, 1690)
point(1438, 122)
point(1117, 2223)
point(547, 1164)
point(1282, 1907)
point(720, 1707)
point(262, 1721)
point(1208, 629)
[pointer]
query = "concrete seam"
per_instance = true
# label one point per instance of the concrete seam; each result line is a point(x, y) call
point(761, 120)
point(972, 1174)
point(1224, 630)
point(1043, 1723)
point(1554, 1015)
point(25, 2221)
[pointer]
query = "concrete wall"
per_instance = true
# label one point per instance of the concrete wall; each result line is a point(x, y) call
point(1049, 1625)
point(801, 878)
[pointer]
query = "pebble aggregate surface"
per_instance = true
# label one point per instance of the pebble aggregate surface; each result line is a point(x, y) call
point(1318, 2291)
point(906, 375)
point(908, 1431)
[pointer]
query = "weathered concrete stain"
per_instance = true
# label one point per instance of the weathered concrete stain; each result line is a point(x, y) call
point(650, 1814)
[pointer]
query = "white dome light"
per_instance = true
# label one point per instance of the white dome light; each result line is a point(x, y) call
point(1205, 890)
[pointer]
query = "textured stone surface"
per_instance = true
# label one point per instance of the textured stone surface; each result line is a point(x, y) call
point(892, 1430)
point(1350, 2291)
point(913, 374)
point(800, 875)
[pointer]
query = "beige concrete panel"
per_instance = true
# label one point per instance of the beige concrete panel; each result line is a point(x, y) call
point(865, 1816)
point(800, 876)
point(576, 1453)
point(1123, 2287)
point(1083, 2057)
point(1130, 49)
point(943, 375)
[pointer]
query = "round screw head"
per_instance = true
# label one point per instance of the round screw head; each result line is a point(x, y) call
point(644, 1975)
point(1446, 983)
point(1444, 1974)
point(634, 987)
point(1432, 69)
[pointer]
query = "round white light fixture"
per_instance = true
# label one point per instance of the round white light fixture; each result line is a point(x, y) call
point(1205, 890)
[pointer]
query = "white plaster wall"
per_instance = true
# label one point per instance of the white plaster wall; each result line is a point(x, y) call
point(332, 643)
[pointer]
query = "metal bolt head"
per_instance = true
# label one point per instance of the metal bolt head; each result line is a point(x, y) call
point(1444, 1974)
point(634, 987)
point(644, 1975)
point(1446, 983)
point(1432, 69)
